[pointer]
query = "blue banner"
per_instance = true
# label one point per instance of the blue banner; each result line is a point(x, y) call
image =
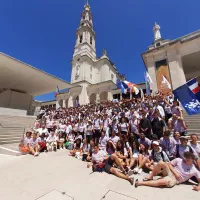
point(188, 99)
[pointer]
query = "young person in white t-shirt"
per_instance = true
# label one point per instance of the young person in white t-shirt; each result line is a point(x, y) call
point(101, 162)
point(103, 141)
point(51, 142)
point(34, 146)
point(194, 144)
point(175, 172)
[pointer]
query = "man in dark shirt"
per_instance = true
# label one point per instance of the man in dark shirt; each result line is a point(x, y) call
point(145, 126)
point(157, 125)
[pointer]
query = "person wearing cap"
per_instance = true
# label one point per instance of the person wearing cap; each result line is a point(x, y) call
point(157, 155)
point(168, 143)
point(184, 147)
point(173, 173)
point(194, 144)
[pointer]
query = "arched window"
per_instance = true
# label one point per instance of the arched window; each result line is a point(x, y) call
point(81, 38)
point(91, 40)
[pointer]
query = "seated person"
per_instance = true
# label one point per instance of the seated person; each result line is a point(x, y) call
point(144, 140)
point(167, 143)
point(177, 136)
point(179, 150)
point(43, 129)
point(157, 155)
point(175, 172)
point(122, 154)
point(34, 146)
point(110, 147)
point(60, 140)
point(135, 155)
point(70, 140)
point(143, 158)
point(42, 143)
point(76, 152)
point(193, 143)
point(51, 142)
point(85, 150)
point(25, 143)
point(100, 161)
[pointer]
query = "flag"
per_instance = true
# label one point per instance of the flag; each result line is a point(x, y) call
point(147, 84)
point(122, 86)
point(165, 82)
point(132, 87)
point(193, 85)
point(57, 92)
point(142, 94)
point(148, 78)
point(189, 100)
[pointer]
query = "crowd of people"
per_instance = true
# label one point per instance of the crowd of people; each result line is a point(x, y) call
point(122, 138)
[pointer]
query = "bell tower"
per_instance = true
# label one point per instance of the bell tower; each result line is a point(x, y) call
point(85, 35)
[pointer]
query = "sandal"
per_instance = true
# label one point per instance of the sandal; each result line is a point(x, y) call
point(147, 179)
point(136, 183)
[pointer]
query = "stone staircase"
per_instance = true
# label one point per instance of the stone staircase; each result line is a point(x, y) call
point(193, 123)
point(12, 128)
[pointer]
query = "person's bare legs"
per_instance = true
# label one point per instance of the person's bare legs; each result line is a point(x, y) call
point(133, 161)
point(153, 183)
point(143, 162)
point(32, 150)
point(121, 175)
point(157, 169)
point(117, 161)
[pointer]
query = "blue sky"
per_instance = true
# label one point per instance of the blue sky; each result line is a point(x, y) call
point(42, 32)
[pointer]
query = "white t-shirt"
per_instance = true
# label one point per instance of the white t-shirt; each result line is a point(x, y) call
point(195, 147)
point(27, 140)
point(41, 130)
point(103, 142)
point(99, 157)
point(114, 139)
point(185, 171)
point(124, 127)
point(34, 142)
point(68, 129)
point(97, 124)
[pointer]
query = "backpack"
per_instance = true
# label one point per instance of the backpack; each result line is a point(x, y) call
point(177, 150)
point(161, 153)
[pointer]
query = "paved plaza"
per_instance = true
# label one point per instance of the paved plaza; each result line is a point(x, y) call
point(60, 177)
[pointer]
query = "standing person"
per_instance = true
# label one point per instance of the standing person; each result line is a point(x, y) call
point(134, 125)
point(158, 125)
point(106, 124)
point(168, 143)
point(176, 172)
point(89, 131)
point(123, 127)
point(100, 161)
point(103, 141)
point(97, 128)
point(145, 126)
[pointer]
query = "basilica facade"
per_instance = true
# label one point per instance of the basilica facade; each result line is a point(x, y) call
point(93, 79)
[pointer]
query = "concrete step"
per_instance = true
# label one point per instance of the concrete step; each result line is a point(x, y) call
point(9, 141)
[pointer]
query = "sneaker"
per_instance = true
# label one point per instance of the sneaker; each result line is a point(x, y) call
point(36, 154)
point(140, 171)
point(61, 148)
point(136, 170)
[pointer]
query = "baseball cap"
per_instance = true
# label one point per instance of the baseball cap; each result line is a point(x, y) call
point(184, 137)
point(156, 143)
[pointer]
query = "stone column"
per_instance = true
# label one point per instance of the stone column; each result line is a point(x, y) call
point(121, 96)
point(97, 98)
point(70, 102)
point(150, 64)
point(64, 103)
point(176, 68)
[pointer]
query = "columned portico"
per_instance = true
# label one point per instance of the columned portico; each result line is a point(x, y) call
point(176, 61)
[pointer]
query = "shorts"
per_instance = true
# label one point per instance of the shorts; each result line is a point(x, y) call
point(109, 165)
point(169, 176)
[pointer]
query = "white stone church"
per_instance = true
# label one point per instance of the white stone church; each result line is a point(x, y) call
point(93, 79)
